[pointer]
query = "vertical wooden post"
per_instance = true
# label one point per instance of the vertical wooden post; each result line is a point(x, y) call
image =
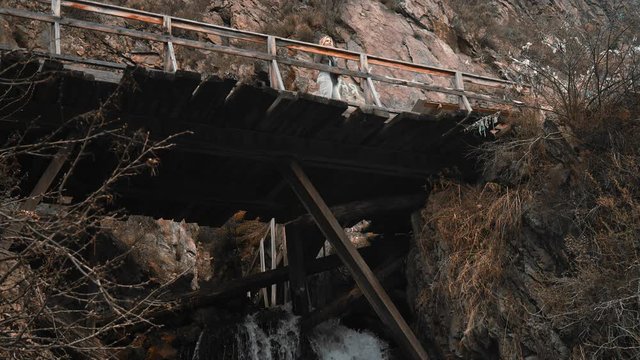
point(297, 272)
point(459, 85)
point(55, 45)
point(274, 253)
point(170, 63)
point(263, 268)
point(285, 262)
point(370, 93)
point(362, 274)
point(274, 71)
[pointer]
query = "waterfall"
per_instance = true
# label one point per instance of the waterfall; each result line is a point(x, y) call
point(274, 334)
point(274, 338)
point(333, 341)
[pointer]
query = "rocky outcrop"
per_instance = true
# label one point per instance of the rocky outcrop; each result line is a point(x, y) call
point(533, 262)
point(164, 249)
point(167, 251)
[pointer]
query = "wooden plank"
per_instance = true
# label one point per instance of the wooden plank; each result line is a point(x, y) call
point(70, 58)
point(137, 34)
point(407, 131)
point(154, 18)
point(263, 268)
point(285, 260)
point(38, 192)
point(248, 53)
point(283, 107)
point(246, 106)
point(459, 84)
point(316, 113)
point(325, 154)
point(432, 108)
point(364, 278)
point(202, 27)
point(274, 71)
point(56, 47)
point(170, 63)
point(207, 99)
point(370, 93)
point(395, 129)
point(274, 255)
point(210, 295)
point(157, 94)
point(363, 123)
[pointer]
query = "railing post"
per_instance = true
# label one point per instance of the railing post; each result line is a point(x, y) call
point(274, 253)
point(370, 93)
point(274, 71)
point(170, 63)
point(285, 262)
point(55, 46)
point(263, 268)
point(459, 85)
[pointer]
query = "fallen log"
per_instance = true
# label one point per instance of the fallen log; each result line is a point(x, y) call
point(217, 294)
point(207, 295)
point(352, 212)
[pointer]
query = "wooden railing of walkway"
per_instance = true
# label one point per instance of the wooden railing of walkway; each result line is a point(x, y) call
point(269, 52)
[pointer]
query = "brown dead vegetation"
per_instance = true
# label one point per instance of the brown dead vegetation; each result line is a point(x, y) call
point(541, 258)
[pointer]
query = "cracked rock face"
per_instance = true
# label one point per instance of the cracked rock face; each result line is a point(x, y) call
point(419, 31)
point(164, 249)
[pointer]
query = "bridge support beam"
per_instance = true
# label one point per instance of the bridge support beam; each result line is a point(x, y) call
point(297, 271)
point(38, 192)
point(362, 274)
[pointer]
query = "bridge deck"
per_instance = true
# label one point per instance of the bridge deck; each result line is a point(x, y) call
point(239, 130)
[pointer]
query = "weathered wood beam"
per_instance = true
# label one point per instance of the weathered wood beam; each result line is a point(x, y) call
point(362, 274)
point(266, 56)
point(344, 302)
point(355, 211)
point(197, 26)
point(209, 295)
point(358, 210)
point(55, 46)
point(459, 84)
point(38, 192)
point(320, 153)
point(297, 271)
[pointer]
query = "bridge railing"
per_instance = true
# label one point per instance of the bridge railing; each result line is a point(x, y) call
point(267, 50)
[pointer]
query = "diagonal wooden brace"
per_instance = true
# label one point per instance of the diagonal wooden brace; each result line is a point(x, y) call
point(362, 274)
point(38, 191)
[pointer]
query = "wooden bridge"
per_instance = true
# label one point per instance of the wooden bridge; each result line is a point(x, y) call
point(250, 140)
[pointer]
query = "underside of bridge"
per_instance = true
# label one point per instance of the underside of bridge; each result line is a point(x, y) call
point(246, 147)
point(234, 137)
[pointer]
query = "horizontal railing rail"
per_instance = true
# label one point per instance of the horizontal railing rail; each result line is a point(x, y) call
point(269, 52)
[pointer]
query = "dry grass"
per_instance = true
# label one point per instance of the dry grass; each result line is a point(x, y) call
point(235, 246)
point(475, 228)
point(307, 22)
point(479, 237)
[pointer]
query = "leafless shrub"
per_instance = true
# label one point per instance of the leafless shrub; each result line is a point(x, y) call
point(306, 22)
point(57, 298)
point(586, 175)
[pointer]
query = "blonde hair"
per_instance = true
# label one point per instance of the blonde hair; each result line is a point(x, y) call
point(324, 38)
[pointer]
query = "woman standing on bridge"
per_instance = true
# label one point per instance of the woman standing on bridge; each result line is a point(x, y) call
point(327, 82)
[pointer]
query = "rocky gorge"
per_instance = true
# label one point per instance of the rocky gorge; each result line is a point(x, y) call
point(533, 257)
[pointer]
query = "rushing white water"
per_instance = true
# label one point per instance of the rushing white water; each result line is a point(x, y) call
point(333, 341)
point(280, 341)
point(275, 335)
